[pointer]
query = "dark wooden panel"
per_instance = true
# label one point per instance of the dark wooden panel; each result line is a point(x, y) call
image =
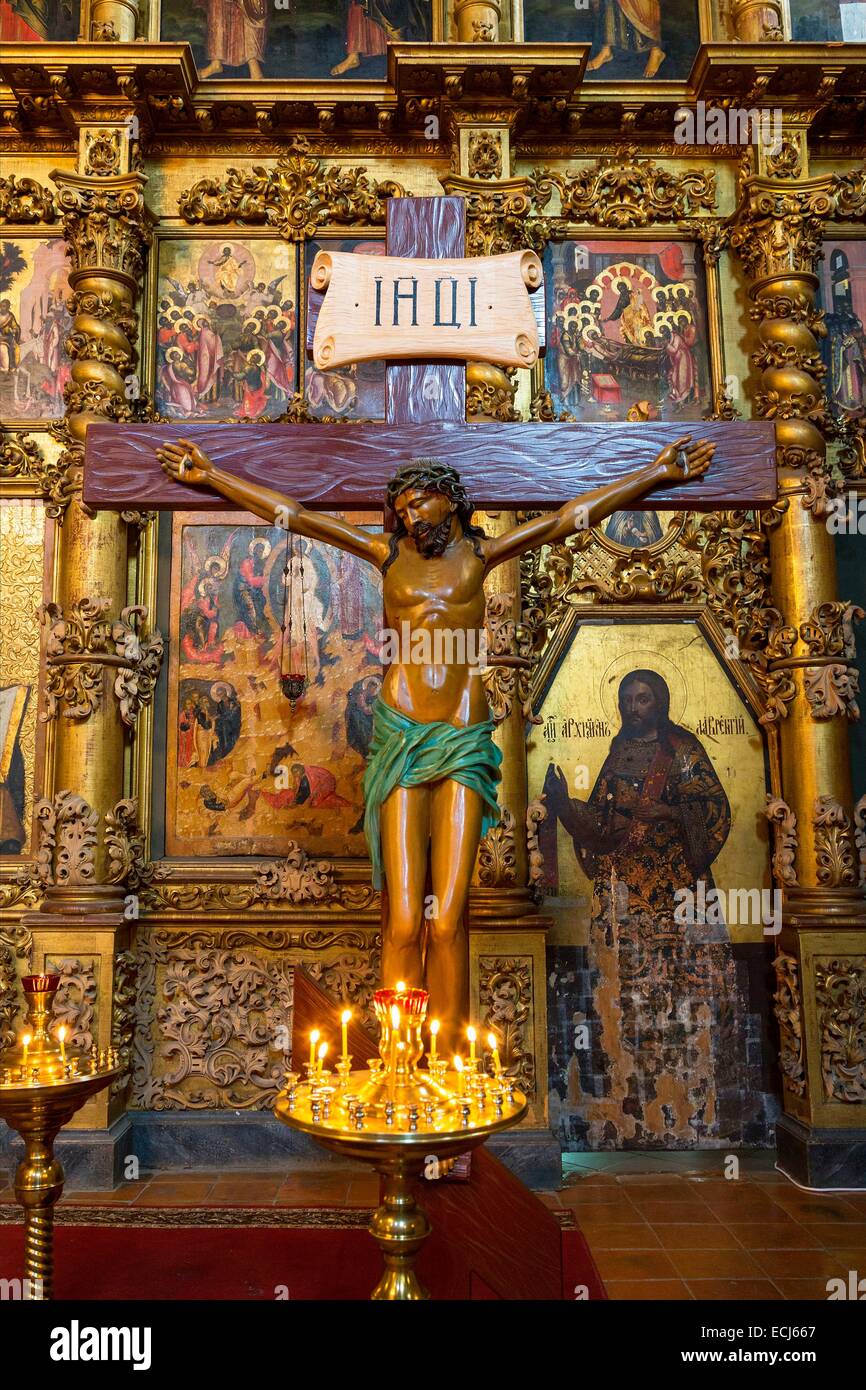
point(503, 465)
point(418, 392)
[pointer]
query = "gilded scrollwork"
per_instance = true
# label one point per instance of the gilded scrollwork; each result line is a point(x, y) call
point(860, 837)
point(213, 1025)
point(834, 845)
point(786, 842)
point(124, 994)
point(536, 814)
point(509, 659)
point(16, 944)
point(21, 459)
point(297, 197)
point(840, 997)
point(66, 853)
point(505, 991)
point(80, 644)
point(25, 201)
point(497, 854)
point(485, 154)
point(622, 190)
point(350, 978)
point(788, 1008)
point(76, 1002)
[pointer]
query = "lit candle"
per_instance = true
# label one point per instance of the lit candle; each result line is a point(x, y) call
point(461, 1079)
point(491, 1043)
point(61, 1038)
point(344, 1019)
point(471, 1035)
point(26, 1040)
point(323, 1052)
point(401, 986)
point(314, 1038)
point(434, 1029)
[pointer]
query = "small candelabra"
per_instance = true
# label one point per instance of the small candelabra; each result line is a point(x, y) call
point(398, 1115)
point(43, 1082)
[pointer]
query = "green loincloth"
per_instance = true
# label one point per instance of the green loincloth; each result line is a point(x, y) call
point(406, 753)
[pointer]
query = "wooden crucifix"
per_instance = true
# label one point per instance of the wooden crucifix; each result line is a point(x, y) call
point(430, 785)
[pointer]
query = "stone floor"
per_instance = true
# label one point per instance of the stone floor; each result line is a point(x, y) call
point(667, 1226)
point(672, 1226)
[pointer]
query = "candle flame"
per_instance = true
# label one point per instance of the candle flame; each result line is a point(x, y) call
point(345, 1015)
point(471, 1034)
point(61, 1032)
point(395, 1016)
point(458, 1063)
point(491, 1041)
point(314, 1036)
point(401, 985)
point(434, 1026)
point(323, 1051)
point(26, 1039)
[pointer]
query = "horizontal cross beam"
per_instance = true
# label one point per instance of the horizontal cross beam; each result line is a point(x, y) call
point(337, 467)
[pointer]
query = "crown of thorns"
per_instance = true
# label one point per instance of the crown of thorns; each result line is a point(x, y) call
point(430, 475)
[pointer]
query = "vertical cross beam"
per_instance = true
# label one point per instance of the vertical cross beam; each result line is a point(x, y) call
point(419, 392)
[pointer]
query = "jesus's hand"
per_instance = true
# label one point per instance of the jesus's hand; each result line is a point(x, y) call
point(185, 462)
point(696, 459)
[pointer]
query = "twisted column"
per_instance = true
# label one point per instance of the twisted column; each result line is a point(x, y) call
point(802, 649)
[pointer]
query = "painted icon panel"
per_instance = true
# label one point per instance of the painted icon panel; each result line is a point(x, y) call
point(631, 39)
point(249, 768)
point(34, 324)
point(226, 328)
point(295, 38)
point(627, 330)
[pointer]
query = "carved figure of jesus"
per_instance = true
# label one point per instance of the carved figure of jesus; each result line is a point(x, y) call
point(433, 767)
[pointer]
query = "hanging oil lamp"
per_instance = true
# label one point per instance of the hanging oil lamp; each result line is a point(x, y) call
point(293, 683)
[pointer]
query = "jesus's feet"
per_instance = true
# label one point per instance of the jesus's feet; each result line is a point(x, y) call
point(654, 62)
point(604, 56)
point(353, 61)
point(211, 70)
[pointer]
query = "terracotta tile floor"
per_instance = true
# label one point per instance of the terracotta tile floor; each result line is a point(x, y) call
point(672, 1226)
point(666, 1226)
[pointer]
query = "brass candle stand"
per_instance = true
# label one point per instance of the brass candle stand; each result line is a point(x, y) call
point(398, 1118)
point(42, 1084)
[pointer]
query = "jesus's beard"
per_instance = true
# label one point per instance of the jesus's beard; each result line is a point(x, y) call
point(430, 540)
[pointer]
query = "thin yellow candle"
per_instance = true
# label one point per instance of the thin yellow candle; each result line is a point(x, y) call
point(26, 1040)
point(344, 1019)
point(314, 1038)
point(461, 1079)
point(61, 1038)
point(395, 1034)
point(471, 1035)
point(434, 1029)
point(323, 1052)
point(491, 1043)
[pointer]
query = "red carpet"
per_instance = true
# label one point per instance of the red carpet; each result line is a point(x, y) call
point(128, 1261)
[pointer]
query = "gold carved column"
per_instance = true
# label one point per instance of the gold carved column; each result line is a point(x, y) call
point(101, 662)
point(806, 649)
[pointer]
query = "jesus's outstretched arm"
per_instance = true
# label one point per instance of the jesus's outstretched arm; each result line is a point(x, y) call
point(592, 507)
point(186, 463)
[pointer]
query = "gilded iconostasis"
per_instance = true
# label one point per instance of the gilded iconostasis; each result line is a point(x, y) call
point(283, 130)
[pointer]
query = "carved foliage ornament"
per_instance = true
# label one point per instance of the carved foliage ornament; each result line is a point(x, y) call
point(622, 190)
point(24, 201)
point(296, 198)
point(840, 996)
point(485, 154)
point(787, 1007)
point(82, 643)
point(505, 988)
point(106, 227)
point(834, 845)
point(784, 823)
